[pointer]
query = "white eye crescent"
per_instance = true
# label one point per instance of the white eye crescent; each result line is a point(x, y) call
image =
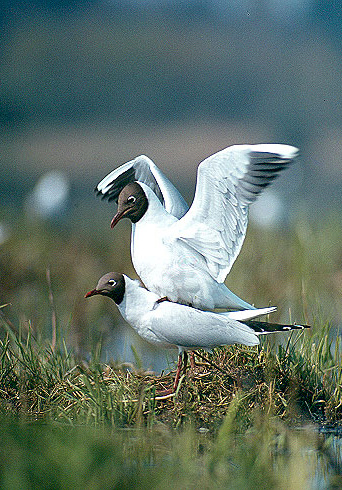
point(111, 282)
point(131, 199)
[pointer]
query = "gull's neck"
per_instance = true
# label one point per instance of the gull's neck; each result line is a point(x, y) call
point(155, 213)
point(137, 301)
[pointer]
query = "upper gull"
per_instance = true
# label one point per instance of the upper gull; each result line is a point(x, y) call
point(186, 255)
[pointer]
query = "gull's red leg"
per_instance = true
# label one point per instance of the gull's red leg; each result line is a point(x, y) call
point(192, 360)
point(179, 367)
point(182, 360)
point(164, 298)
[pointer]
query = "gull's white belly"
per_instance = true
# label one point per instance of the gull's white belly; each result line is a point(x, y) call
point(168, 270)
point(173, 269)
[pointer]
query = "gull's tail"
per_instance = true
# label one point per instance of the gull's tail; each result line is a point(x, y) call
point(243, 315)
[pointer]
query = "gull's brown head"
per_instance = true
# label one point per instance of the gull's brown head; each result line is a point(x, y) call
point(132, 204)
point(112, 285)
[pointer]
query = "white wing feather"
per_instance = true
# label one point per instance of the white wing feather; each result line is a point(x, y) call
point(143, 169)
point(243, 315)
point(227, 183)
point(197, 329)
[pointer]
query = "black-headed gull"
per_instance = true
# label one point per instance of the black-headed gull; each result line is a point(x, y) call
point(173, 325)
point(187, 257)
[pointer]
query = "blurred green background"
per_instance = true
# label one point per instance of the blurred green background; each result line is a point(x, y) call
point(87, 86)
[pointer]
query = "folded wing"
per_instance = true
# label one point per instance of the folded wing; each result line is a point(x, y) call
point(200, 329)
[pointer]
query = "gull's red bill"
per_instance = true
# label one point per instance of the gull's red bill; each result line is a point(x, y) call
point(91, 293)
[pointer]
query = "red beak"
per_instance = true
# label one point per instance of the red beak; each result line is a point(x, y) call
point(118, 217)
point(91, 293)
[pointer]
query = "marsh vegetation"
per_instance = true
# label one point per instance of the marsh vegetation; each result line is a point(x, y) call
point(249, 417)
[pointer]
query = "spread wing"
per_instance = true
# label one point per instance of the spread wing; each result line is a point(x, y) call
point(227, 183)
point(143, 169)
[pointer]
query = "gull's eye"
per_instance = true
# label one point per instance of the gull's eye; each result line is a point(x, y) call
point(111, 282)
point(131, 199)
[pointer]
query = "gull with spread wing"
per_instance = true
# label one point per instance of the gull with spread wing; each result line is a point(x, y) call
point(185, 255)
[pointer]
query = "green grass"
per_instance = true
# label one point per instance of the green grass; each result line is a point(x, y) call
point(69, 420)
point(92, 425)
point(297, 382)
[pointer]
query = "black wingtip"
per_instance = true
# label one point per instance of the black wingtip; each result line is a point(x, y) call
point(99, 194)
point(266, 327)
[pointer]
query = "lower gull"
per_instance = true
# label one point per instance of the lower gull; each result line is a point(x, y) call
point(173, 325)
